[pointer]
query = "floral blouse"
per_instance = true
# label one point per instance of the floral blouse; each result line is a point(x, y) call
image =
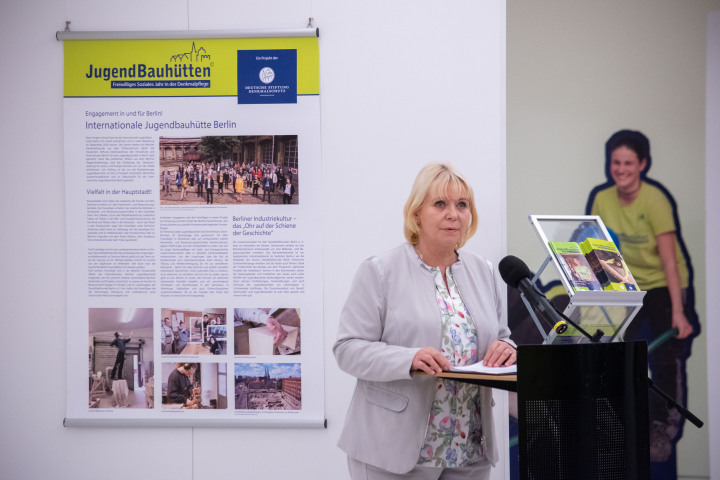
point(454, 436)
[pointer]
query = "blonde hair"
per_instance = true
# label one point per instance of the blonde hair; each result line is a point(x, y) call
point(437, 179)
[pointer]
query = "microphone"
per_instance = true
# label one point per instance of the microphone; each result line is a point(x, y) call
point(516, 274)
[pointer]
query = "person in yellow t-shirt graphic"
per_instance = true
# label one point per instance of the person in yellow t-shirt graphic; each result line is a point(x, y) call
point(643, 215)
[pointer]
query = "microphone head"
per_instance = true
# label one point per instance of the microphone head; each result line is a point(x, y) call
point(512, 270)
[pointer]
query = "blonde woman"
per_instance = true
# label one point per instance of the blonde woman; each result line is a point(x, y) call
point(424, 306)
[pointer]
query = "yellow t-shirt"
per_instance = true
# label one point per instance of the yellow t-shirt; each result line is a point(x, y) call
point(637, 226)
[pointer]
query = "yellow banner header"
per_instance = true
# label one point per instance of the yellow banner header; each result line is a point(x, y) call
point(257, 70)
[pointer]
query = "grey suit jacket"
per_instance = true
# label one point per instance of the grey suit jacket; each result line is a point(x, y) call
point(390, 314)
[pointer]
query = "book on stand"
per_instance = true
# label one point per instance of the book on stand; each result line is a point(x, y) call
point(575, 266)
point(609, 266)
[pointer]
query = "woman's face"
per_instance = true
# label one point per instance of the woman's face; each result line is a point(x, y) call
point(443, 220)
point(625, 168)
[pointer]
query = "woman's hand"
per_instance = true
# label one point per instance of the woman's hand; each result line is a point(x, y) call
point(500, 354)
point(430, 361)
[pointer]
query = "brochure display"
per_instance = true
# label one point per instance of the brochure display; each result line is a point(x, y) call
point(609, 310)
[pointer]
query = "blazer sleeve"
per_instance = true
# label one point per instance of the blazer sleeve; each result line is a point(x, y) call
point(362, 349)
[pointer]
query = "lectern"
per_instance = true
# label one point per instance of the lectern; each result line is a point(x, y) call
point(583, 411)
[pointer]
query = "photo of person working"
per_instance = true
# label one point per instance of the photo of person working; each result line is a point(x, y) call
point(194, 386)
point(180, 386)
point(267, 331)
point(120, 345)
point(424, 306)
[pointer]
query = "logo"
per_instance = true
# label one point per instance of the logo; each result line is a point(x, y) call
point(195, 54)
point(267, 75)
point(190, 69)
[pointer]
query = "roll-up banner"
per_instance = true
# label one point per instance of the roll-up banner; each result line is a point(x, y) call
point(192, 173)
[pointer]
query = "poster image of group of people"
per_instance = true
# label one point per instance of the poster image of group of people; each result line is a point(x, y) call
point(193, 332)
point(229, 170)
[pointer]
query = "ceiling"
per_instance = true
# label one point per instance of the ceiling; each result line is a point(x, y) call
point(119, 319)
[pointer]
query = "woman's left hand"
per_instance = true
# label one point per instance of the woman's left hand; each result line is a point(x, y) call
point(500, 354)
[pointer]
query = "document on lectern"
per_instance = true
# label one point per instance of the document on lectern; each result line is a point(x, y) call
point(480, 368)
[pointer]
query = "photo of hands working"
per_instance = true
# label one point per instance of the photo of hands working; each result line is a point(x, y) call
point(266, 331)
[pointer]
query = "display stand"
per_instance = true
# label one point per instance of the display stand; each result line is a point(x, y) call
point(608, 311)
point(583, 411)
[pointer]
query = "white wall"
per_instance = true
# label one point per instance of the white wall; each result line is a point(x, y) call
point(398, 89)
point(579, 71)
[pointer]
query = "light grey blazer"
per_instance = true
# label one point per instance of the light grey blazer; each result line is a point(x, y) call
point(390, 314)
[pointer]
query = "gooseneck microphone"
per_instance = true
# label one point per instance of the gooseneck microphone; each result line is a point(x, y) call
point(516, 274)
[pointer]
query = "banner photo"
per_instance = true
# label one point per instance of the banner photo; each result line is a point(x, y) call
point(192, 174)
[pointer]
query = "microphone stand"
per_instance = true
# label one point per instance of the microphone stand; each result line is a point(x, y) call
point(671, 403)
point(560, 327)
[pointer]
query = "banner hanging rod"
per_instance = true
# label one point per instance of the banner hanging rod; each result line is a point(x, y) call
point(183, 34)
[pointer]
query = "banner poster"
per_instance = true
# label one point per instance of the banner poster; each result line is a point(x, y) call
point(192, 173)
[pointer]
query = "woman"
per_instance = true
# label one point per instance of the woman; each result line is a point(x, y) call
point(424, 306)
point(288, 192)
point(183, 187)
point(238, 188)
point(640, 211)
point(214, 346)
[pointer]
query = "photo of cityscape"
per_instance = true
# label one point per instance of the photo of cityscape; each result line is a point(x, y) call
point(268, 386)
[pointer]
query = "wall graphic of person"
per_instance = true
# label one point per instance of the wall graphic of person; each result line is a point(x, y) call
point(166, 337)
point(215, 347)
point(120, 344)
point(239, 187)
point(183, 336)
point(200, 181)
point(209, 185)
point(643, 215)
point(180, 386)
point(288, 191)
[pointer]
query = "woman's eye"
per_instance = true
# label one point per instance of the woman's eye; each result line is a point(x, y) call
point(462, 205)
point(440, 203)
